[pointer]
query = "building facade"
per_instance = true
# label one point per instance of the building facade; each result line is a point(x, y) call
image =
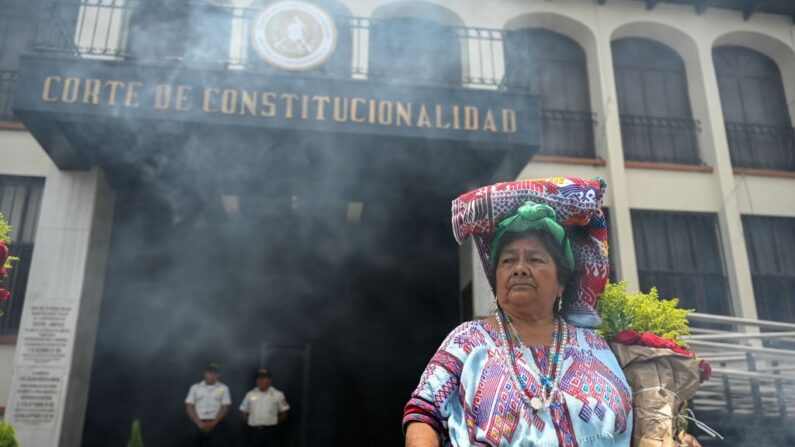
point(182, 191)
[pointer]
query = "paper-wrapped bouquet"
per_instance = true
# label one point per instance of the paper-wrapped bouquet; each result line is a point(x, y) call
point(645, 333)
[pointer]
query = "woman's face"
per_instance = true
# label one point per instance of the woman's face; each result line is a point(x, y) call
point(527, 277)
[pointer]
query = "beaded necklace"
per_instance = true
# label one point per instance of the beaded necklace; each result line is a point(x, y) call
point(551, 378)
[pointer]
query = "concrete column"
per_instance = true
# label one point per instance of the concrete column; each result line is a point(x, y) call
point(55, 346)
point(715, 151)
point(609, 145)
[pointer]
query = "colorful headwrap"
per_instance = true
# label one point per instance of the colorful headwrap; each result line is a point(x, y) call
point(532, 216)
point(578, 206)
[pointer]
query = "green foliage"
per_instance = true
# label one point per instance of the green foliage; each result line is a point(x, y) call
point(136, 439)
point(5, 229)
point(641, 312)
point(8, 438)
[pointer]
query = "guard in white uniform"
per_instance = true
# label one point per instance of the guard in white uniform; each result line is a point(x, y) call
point(207, 403)
point(264, 408)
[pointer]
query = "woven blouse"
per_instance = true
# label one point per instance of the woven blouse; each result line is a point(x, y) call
point(468, 395)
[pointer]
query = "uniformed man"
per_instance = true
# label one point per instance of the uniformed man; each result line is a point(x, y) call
point(264, 408)
point(207, 403)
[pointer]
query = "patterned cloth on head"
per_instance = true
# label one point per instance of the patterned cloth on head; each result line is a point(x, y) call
point(578, 207)
point(467, 395)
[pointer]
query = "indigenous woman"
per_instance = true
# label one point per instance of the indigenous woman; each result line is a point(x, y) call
point(535, 373)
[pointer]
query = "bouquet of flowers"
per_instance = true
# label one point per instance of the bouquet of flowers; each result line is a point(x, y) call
point(5, 258)
point(645, 333)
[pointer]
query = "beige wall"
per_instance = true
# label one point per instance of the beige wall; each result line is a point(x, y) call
point(20, 154)
point(6, 368)
point(692, 36)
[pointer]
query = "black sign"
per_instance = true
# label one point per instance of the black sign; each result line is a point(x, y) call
point(237, 97)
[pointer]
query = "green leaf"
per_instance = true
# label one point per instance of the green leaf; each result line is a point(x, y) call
point(136, 438)
point(5, 230)
point(8, 438)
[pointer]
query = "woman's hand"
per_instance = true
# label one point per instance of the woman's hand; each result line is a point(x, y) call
point(689, 440)
point(419, 434)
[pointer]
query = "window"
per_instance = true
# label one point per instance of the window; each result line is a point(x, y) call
point(680, 254)
point(163, 31)
point(17, 28)
point(553, 67)
point(771, 243)
point(754, 105)
point(20, 200)
point(656, 119)
point(414, 49)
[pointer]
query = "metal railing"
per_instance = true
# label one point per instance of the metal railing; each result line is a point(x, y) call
point(145, 29)
point(564, 133)
point(567, 133)
point(748, 377)
point(659, 139)
point(761, 146)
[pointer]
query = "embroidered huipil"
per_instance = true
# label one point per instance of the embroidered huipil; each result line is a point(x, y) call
point(467, 393)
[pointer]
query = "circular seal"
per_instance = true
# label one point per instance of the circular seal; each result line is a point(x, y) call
point(293, 35)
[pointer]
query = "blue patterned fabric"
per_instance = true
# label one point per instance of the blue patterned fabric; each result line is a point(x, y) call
point(467, 394)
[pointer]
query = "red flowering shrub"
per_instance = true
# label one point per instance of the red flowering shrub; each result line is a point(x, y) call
point(5, 258)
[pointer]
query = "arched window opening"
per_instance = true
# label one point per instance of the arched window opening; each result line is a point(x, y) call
point(416, 50)
point(553, 67)
point(656, 119)
point(167, 31)
point(754, 105)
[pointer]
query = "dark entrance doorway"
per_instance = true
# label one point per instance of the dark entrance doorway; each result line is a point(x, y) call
point(371, 292)
point(236, 229)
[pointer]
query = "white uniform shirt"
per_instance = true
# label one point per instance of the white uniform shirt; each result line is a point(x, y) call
point(263, 407)
point(208, 399)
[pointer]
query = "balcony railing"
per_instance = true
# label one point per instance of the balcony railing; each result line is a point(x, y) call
point(117, 29)
point(564, 133)
point(567, 133)
point(748, 377)
point(761, 146)
point(658, 139)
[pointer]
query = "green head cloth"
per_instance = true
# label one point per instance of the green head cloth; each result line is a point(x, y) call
point(533, 216)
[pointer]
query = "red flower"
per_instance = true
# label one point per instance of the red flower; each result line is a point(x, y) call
point(4, 294)
point(706, 370)
point(655, 341)
point(650, 340)
point(627, 337)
